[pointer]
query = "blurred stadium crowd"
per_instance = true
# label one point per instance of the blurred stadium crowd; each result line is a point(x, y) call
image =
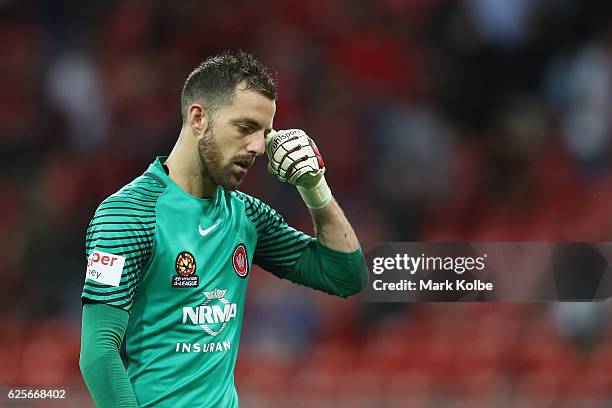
point(473, 120)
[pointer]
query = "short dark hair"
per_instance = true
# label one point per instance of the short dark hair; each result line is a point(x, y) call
point(213, 82)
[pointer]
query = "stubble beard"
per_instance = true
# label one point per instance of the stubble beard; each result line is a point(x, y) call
point(212, 163)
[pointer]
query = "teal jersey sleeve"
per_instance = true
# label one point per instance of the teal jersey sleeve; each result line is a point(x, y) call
point(300, 258)
point(337, 273)
point(119, 243)
point(279, 246)
point(103, 328)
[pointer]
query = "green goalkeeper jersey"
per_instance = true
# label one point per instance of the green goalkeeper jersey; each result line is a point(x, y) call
point(180, 266)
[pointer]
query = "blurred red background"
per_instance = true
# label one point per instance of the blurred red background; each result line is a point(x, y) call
point(473, 120)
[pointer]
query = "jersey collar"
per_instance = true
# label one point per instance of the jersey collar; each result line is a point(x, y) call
point(157, 169)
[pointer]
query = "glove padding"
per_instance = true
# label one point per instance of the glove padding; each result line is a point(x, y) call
point(294, 157)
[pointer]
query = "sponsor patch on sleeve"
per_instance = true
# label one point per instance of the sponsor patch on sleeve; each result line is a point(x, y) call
point(105, 268)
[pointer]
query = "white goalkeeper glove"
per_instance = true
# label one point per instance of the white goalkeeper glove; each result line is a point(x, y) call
point(294, 158)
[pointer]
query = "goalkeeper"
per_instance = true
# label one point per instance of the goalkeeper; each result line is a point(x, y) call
point(169, 255)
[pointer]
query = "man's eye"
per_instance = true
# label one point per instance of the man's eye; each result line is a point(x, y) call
point(244, 129)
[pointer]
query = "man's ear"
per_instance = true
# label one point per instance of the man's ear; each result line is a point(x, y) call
point(197, 118)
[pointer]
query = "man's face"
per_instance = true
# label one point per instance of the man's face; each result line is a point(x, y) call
point(235, 136)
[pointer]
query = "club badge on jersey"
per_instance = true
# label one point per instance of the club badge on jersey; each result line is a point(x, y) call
point(185, 266)
point(240, 261)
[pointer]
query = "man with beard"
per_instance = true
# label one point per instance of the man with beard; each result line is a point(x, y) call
point(169, 254)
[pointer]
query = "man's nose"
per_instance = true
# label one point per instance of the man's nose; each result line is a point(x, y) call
point(257, 145)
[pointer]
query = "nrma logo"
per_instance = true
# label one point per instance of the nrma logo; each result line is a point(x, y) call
point(213, 315)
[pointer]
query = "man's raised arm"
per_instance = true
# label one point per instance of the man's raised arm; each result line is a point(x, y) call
point(333, 262)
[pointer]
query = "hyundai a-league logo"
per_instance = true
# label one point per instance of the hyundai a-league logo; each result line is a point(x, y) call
point(185, 267)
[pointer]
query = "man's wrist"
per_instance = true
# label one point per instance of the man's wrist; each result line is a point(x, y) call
point(317, 196)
